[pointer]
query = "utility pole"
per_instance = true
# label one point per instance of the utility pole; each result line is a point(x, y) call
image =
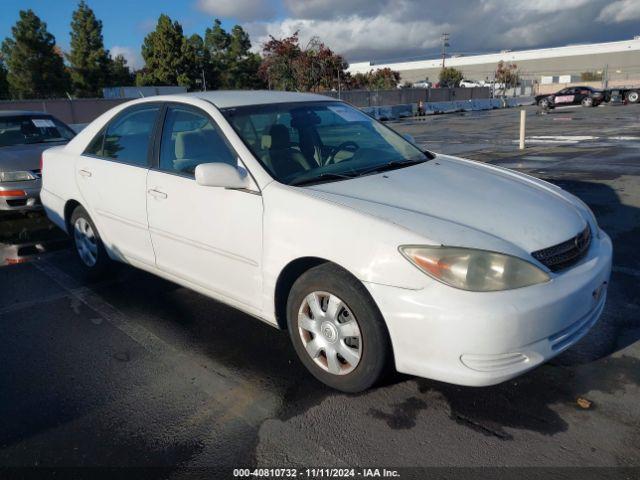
point(445, 43)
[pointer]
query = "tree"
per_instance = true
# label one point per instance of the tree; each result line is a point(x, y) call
point(241, 63)
point(507, 75)
point(4, 86)
point(216, 43)
point(169, 57)
point(35, 66)
point(287, 66)
point(380, 79)
point(119, 72)
point(231, 64)
point(88, 60)
point(278, 62)
point(200, 60)
point(450, 77)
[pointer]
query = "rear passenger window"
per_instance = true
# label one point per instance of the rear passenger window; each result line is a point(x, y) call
point(190, 138)
point(128, 136)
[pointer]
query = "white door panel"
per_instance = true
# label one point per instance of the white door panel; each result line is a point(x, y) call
point(115, 196)
point(207, 235)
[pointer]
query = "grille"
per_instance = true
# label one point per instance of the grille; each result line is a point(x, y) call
point(565, 254)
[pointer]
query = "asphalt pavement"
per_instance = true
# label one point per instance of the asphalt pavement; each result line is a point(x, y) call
point(137, 371)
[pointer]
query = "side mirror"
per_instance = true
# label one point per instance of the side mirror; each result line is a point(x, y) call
point(221, 175)
point(409, 138)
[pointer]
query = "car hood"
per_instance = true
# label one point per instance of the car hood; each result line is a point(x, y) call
point(463, 203)
point(23, 157)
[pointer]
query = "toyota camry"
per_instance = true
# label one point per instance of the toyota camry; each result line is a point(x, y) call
point(311, 216)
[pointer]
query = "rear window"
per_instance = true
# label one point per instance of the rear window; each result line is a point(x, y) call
point(30, 129)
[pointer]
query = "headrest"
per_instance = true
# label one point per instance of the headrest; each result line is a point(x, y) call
point(279, 137)
point(190, 144)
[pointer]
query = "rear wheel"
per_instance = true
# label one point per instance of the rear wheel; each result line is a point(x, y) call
point(337, 330)
point(587, 102)
point(87, 243)
point(633, 97)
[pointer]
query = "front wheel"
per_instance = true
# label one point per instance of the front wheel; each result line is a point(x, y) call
point(337, 330)
point(87, 243)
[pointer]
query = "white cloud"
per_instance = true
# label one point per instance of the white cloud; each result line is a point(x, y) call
point(132, 55)
point(357, 36)
point(620, 11)
point(397, 29)
point(245, 10)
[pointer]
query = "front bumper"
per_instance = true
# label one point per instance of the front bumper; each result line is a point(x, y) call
point(478, 339)
point(20, 196)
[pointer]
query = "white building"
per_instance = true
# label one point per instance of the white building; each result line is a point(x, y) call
point(619, 60)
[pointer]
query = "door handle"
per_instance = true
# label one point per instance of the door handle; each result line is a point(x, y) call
point(84, 173)
point(157, 193)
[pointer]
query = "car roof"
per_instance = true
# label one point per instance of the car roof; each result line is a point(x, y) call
point(239, 98)
point(21, 113)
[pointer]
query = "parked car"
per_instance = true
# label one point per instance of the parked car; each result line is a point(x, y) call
point(470, 83)
point(422, 84)
point(23, 137)
point(306, 213)
point(585, 96)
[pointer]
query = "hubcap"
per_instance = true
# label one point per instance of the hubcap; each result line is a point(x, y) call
point(86, 242)
point(330, 333)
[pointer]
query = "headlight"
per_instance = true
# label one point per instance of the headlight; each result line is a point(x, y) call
point(16, 176)
point(473, 270)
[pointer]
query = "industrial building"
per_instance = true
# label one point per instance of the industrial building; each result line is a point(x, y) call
point(617, 62)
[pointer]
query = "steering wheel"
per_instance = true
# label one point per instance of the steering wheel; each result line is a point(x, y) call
point(348, 146)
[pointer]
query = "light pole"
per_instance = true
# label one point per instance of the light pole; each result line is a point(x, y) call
point(445, 43)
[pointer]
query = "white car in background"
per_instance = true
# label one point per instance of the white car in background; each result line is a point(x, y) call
point(470, 83)
point(311, 216)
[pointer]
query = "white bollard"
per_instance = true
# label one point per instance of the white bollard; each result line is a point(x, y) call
point(523, 121)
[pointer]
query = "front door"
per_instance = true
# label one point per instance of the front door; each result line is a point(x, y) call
point(210, 236)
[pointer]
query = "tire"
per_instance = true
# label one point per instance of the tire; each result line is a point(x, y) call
point(356, 330)
point(587, 102)
point(87, 244)
point(544, 103)
point(633, 96)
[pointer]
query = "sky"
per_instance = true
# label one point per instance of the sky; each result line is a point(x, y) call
point(379, 30)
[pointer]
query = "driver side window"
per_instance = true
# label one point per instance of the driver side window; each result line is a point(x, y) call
point(190, 138)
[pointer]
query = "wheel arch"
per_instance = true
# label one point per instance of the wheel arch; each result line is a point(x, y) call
point(69, 207)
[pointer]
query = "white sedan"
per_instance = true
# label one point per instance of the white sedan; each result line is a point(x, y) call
point(309, 215)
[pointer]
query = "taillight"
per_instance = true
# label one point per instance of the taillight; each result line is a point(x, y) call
point(13, 193)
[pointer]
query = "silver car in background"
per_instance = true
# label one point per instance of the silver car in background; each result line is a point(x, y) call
point(23, 138)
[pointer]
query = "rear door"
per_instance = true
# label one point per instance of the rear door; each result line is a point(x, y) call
point(209, 236)
point(112, 178)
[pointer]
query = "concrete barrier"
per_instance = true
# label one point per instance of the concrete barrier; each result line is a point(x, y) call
point(395, 112)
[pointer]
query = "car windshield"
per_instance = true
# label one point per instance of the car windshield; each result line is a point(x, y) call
point(28, 129)
point(312, 142)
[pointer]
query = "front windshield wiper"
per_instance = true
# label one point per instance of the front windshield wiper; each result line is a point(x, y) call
point(320, 178)
point(392, 165)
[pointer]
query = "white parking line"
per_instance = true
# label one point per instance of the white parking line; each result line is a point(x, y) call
point(571, 139)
